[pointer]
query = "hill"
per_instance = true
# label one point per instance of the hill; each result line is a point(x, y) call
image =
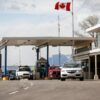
point(54, 60)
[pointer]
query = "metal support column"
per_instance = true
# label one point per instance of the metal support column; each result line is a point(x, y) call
point(47, 58)
point(89, 69)
point(37, 51)
point(5, 60)
point(96, 75)
point(0, 63)
point(0, 59)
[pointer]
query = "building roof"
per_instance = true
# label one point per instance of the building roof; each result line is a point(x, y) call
point(43, 41)
point(86, 54)
point(95, 51)
point(95, 28)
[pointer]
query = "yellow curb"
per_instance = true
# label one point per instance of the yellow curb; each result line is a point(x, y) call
point(5, 78)
point(46, 78)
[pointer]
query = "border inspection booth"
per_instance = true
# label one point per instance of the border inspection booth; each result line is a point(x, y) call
point(40, 42)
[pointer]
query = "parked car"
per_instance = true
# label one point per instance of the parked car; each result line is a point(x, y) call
point(54, 72)
point(72, 70)
point(24, 72)
point(12, 74)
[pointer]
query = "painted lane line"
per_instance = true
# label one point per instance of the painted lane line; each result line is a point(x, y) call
point(13, 92)
point(31, 84)
point(26, 88)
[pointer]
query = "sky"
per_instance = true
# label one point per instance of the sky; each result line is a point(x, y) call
point(30, 18)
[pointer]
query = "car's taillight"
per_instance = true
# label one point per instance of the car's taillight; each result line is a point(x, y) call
point(50, 72)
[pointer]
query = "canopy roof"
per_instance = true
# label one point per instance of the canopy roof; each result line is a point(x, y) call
point(95, 28)
point(42, 41)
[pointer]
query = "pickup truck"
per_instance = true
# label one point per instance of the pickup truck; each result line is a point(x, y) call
point(24, 72)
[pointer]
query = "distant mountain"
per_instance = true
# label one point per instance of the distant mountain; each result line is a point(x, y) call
point(54, 60)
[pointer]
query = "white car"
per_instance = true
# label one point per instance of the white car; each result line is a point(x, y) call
point(71, 70)
point(24, 72)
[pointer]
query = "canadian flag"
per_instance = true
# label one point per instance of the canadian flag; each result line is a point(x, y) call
point(65, 6)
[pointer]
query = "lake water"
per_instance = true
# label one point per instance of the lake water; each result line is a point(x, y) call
point(12, 68)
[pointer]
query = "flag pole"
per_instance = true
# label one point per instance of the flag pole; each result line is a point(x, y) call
point(59, 36)
point(73, 43)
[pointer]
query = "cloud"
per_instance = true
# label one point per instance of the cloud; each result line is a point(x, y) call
point(95, 5)
point(46, 24)
point(27, 6)
point(86, 8)
point(28, 29)
point(92, 5)
point(17, 5)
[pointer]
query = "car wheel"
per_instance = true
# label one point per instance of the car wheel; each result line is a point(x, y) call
point(62, 79)
point(50, 78)
point(82, 78)
point(31, 78)
point(59, 78)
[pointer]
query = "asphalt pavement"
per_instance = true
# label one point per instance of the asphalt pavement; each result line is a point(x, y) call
point(49, 90)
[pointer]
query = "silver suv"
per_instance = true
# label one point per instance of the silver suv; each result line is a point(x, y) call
point(72, 70)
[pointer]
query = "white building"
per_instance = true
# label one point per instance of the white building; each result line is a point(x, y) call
point(90, 56)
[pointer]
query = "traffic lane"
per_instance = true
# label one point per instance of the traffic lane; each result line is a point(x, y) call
point(7, 86)
point(12, 87)
point(54, 89)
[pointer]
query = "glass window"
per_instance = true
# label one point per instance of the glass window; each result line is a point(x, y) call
point(72, 65)
point(24, 69)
